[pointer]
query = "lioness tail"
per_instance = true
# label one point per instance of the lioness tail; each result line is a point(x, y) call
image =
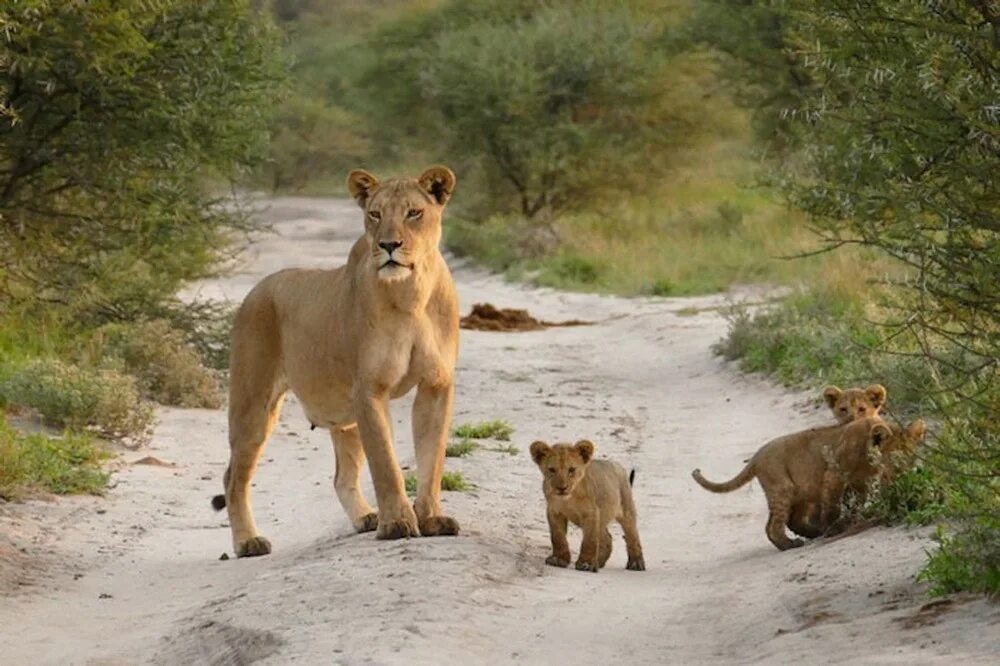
point(741, 479)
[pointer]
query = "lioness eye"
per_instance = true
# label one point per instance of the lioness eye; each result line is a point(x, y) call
point(413, 213)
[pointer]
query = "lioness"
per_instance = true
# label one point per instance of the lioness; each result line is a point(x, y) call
point(813, 466)
point(346, 341)
point(590, 494)
point(854, 403)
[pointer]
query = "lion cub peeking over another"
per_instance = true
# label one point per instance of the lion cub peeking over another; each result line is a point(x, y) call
point(854, 403)
point(590, 494)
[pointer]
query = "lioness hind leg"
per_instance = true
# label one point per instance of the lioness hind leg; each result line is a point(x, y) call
point(779, 506)
point(347, 478)
point(248, 432)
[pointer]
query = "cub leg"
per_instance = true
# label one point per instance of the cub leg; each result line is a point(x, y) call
point(591, 545)
point(628, 521)
point(607, 545)
point(779, 506)
point(396, 519)
point(560, 556)
point(804, 520)
point(347, 478)
point(431, 421)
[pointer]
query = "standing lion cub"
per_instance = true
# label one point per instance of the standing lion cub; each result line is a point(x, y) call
point(590, 494)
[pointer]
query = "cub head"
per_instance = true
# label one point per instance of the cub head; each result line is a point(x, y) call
point(562, 465)
point(402, 218)
point(854, 403)
point(894, 440)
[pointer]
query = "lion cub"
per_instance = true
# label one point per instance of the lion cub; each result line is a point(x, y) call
point(590, 494)
point(854, 403)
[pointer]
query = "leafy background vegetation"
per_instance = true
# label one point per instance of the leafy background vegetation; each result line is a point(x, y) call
point(640, 147)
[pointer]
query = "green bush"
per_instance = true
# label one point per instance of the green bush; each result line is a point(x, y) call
point(63, 465)
point(65, 395)
point(496, 429)
point(167, 369)
point(460, 449)
point(450, 481)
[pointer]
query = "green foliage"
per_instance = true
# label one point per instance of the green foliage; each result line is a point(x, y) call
point(460, 449)
point(114, 120)
point(915, 497)
point(967, 558)
point(450, 481)
point(68, 396)
point(496, 429)
point(63, 465)
point(168, 370)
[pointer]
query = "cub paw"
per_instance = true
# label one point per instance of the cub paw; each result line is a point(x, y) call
point(396, 529)
point(556, 561)
point(792, 543)
point(438, 526)
point(367, 523)
point(636, 564)
point(586, 566)
point(254, 547)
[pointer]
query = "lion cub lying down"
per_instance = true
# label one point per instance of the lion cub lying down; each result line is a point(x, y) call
point(816, 467)
point(590, 494)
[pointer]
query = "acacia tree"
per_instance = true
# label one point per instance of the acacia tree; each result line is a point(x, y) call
point(900, 151)
point(113, 119)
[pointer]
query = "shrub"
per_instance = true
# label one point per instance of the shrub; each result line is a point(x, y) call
point(450, 481)
point(63, 465)
point(68, 396)
point(460, 449)
point(167, 369)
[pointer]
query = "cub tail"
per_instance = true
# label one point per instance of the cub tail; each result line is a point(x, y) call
point(631, 477)
point(741, 479)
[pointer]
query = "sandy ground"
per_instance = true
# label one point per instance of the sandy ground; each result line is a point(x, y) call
point(136, 577)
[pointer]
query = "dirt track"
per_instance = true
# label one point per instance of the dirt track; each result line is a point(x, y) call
point(142, 581)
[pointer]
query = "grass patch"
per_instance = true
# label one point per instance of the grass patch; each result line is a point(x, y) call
point(509, 449)
point(450, 481)
point(496, 429)
point(70, 464)
point(68, 396)
point(460, 449)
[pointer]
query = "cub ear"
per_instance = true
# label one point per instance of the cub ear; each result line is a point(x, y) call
point(876, 393)
point(539, 450)
point(916, 430)
point(880, 434)
point(361, 184)
point(439, 182)
point(586, 449)
point(831, 394)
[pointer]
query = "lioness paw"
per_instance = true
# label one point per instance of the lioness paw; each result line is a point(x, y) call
point(253, 547)
point(367, 523)
point(556, 561)
point(637, 564)
point(396, 529)
point(586, 566)
point(438, 526)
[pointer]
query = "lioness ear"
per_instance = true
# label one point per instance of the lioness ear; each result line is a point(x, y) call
point(880, 434)
point(831, 394)
point(439, 182)
point(876, 393)
point(916, 430)
point(586, 449)
point(361, 184)
point(539, 450)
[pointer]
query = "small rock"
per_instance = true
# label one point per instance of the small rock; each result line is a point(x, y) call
point(104, 595)
point(224, 556)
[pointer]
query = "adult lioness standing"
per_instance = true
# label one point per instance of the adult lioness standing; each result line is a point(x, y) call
point(346, 341)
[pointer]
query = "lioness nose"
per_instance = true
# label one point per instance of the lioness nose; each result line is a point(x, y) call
point(390, 246)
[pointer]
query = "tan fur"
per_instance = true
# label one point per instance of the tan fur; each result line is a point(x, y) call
point(590, 494)
point(346, 341)
point(854, 403)
point(813, 466)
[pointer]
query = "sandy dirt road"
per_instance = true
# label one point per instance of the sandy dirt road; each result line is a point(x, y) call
point(136, 577)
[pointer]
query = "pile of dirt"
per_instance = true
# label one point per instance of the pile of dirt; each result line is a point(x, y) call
point(488, 317)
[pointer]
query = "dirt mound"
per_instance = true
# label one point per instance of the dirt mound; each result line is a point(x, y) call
point(488, 317)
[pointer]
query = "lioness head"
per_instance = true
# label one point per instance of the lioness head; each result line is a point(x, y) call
point(402, 217)
point(854, 403)
point(562, 465)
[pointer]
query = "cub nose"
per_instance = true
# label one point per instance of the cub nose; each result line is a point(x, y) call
point(390, 246)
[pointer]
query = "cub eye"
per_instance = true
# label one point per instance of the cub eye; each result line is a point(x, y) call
point(375, 215)
point(552, 470)
point(843, 410)
point(414, 214)
point(572, 470)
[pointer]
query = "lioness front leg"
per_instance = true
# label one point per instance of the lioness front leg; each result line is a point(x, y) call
point(431, 421)
point(560, 556)
point(396, 518)
point(347, 477)
point(590, 547)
